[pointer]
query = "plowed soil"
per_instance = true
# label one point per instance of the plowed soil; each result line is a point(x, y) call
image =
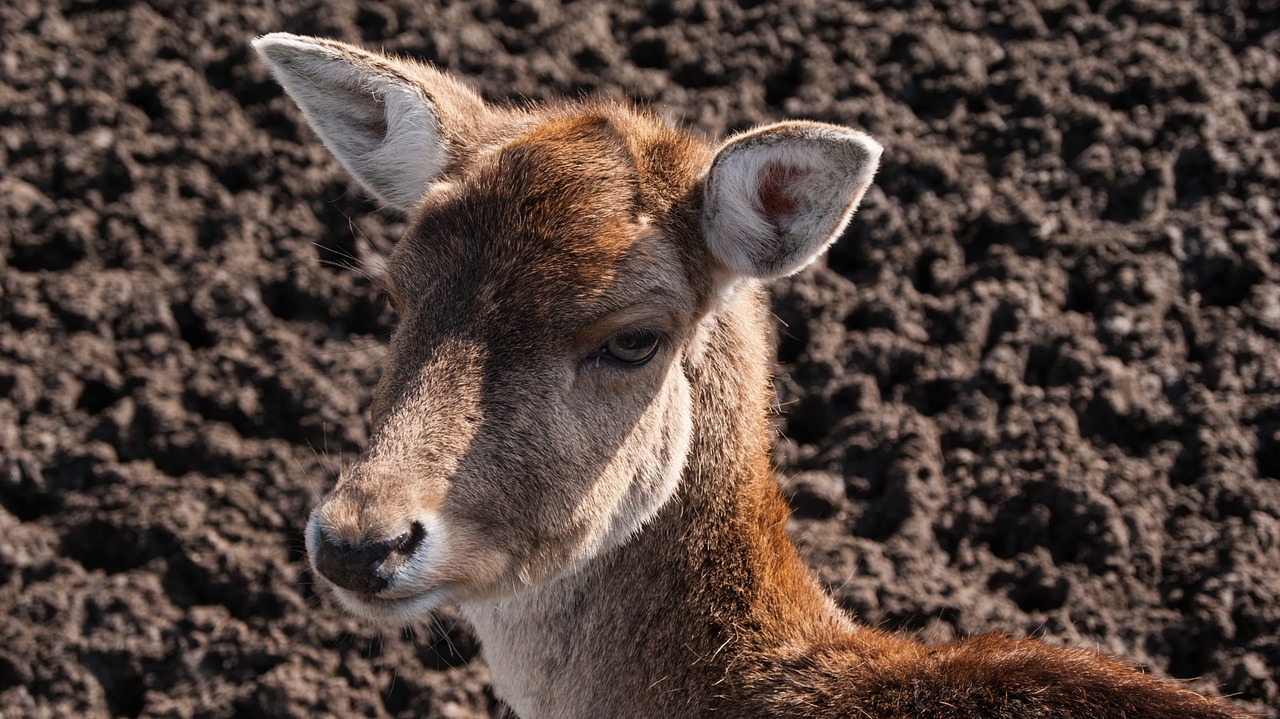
point(1035, 388)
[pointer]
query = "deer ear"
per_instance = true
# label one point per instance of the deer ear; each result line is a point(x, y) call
point(777, 197)
point(380, 117)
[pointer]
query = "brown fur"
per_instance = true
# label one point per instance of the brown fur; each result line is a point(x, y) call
point(551, 231)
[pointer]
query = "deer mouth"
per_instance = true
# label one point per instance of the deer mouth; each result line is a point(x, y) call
point(397, 608)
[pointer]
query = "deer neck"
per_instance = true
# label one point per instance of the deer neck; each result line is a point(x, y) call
point(710, 585)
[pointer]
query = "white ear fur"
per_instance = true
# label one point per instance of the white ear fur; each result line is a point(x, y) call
point(777, 197)
point(380, 125)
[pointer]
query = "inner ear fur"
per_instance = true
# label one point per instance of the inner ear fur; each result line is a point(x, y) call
point(777, 197)
point(395, 125)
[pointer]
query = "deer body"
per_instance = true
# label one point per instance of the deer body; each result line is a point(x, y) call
point(570, 437)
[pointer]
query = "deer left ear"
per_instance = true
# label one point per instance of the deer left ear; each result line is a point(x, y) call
point(777, 197)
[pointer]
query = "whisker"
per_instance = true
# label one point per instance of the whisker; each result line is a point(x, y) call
point(371, 364)
point(352, 350)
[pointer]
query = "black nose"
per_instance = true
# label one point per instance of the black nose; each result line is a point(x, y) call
point(365, 568)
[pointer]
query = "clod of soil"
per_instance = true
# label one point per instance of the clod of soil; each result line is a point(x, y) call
point(1035, 388)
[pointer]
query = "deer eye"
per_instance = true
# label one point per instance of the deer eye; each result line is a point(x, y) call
point(632, 347)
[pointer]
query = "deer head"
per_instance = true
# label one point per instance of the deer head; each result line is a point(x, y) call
point(561, 271)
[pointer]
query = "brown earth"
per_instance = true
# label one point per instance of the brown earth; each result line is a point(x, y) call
point(1035, 388)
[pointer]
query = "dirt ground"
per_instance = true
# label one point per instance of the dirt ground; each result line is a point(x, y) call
point(1036, 387)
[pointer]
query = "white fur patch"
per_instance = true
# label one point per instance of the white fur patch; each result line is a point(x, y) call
point(777, 197)
point(382, 128)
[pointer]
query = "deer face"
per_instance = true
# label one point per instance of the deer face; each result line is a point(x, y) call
point(532, 411)
point(557, 275)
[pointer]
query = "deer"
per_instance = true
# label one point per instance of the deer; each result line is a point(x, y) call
point(570, 439)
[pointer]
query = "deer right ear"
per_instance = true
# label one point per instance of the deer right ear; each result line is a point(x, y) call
point(380, 117)
point(777, 197)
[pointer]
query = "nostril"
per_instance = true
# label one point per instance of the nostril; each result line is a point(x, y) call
point(407, 543)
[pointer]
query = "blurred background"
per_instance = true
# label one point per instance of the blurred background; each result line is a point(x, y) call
point(1035, 388)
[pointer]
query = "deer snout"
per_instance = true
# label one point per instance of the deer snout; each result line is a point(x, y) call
point(365, 567)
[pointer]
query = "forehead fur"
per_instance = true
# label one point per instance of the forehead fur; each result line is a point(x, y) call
point(551, 215)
